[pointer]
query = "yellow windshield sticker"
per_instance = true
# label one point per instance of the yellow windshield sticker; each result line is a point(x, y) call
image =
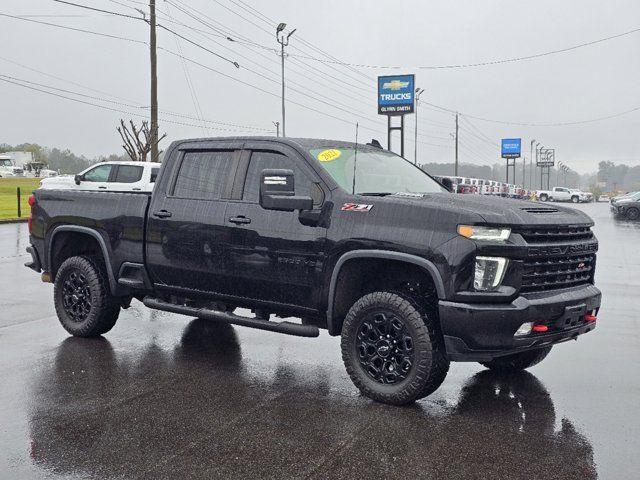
point(329, 155)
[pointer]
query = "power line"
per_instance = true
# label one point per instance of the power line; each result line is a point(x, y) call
point(479, 64)
point(117, 37)
point(111, 108)
point(99, 10)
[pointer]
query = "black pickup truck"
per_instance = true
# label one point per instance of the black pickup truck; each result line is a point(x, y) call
point(346, 237)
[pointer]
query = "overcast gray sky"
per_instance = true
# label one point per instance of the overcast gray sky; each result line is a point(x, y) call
point(582, 84)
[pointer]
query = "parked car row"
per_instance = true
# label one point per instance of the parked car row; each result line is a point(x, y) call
point(480, 186)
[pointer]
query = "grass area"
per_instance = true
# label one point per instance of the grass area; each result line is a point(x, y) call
point(8, 196)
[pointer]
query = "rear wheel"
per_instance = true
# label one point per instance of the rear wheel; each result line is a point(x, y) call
point(633, 213)
point(393, 349)
point(544, 197)
point(518, 361)
point(83, 302)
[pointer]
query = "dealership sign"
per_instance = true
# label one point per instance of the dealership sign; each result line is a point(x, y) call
point(396, 94)
point(511, 147)
point(546, 157)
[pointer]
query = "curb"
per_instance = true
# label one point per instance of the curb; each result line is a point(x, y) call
point(13, 220)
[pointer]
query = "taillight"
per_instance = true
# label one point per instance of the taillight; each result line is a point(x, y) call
point(32, 202)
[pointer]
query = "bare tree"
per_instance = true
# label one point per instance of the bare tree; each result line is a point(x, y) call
point(137, 142)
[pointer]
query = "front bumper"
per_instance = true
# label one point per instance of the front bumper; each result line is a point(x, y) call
point(479, 332)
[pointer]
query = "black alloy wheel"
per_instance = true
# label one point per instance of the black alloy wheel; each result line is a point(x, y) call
point(76, 295)
point(82, 297)
point(392, 347)
point(385, 347)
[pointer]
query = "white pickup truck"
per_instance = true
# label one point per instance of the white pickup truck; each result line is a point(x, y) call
point(563, 194)
point(110, 177)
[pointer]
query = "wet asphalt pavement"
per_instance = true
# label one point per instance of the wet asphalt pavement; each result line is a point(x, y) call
point(165, 396)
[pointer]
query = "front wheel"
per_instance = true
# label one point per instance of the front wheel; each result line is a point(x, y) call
point(575, 199)
point(518, 361)
point(393, 349)
point(83, 302)
point(633, 213)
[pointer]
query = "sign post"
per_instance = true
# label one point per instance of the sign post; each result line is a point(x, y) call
point(511, 149)
point(545, 160)
point(396, 97)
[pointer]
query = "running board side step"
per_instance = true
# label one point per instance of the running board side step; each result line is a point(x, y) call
point(287, 328)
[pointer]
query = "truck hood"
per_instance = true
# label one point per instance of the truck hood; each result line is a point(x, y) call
point(505, 211)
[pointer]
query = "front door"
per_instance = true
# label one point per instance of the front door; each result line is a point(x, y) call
point(272, 256)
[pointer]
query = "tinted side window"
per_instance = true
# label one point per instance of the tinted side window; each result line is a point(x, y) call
point(262, 160)
point(128, 174)
point(154, 174)
point(203, 175)
point(99, 174)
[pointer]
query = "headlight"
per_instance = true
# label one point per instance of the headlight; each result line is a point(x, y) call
point(475, 232)
point(489, 273)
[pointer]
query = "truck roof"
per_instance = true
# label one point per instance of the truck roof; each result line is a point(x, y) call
point(304, 143)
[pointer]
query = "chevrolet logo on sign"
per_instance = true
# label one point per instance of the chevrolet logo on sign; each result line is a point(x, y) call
point(395, 85)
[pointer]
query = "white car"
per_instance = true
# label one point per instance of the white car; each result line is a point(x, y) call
point(8, 169)
point(110, 177)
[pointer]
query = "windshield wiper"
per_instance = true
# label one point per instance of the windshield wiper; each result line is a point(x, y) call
point(375, 194)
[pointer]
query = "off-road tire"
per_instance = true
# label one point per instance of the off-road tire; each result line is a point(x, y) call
point(544, 198)
point(633, 214)
point(517, 361)
point(103, 309)
point(430, 365)
point(575, 199)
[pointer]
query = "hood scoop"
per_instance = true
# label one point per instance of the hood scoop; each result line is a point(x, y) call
point(539, 210)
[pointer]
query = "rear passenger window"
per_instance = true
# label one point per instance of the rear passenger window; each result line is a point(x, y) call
point(203, 175)
point(263, 160)
point(128, 174)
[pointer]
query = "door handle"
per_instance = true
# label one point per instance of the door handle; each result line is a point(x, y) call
point(162, 214)
point(240, 220)
point(102, 188)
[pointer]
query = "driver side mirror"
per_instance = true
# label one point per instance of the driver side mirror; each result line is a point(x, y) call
point(277, 192)
point(78, 179)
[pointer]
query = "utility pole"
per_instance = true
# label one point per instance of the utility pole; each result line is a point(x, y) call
point(277, 124)
point(283, 40)
point(455, 170)
point(154, 81)
point(415, 155)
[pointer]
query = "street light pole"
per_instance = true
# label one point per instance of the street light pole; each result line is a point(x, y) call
point(277, 125)
point(283, 40)
point(415, 155)
point(530, 166)
point(456, 165)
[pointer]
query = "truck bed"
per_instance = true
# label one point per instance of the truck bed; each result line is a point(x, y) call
point(119, 218)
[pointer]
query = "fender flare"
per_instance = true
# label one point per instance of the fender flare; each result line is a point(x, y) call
point(93, 233)
point(383, 254)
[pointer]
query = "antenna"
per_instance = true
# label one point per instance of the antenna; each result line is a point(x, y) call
point(355, 158)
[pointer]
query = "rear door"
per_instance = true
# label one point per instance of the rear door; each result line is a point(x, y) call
point(186, 226)
point(126, 178)
point(273, 257)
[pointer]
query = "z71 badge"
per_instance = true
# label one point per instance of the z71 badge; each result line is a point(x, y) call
point(356, 207)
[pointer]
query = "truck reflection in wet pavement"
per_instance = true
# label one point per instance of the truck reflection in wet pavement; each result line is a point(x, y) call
point(103, 412)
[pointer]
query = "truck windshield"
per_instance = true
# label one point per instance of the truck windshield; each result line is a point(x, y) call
point(377, 172)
